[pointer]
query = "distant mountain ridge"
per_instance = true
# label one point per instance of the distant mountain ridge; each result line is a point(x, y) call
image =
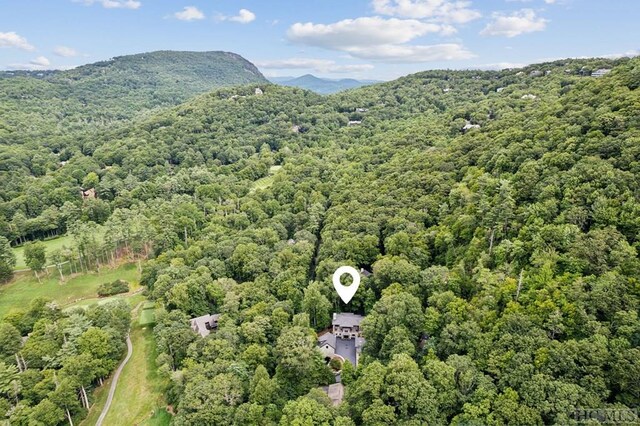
point(323, 86)
point(194, 69)
point(206, 66)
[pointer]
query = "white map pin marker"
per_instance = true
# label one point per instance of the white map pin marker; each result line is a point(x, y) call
point(346, 293)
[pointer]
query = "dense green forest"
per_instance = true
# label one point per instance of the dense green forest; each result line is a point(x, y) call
point(499, 212)
point(45, 378)
point(46, 118)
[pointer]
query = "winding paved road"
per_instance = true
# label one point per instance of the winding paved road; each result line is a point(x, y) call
point(114, 382)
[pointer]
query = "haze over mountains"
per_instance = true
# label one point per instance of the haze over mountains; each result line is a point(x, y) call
point(323, 86)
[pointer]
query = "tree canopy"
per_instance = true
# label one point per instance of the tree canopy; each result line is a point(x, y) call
point(504, 256)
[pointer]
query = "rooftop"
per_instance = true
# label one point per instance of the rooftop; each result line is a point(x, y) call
point(346, 319)
point(327, 338)
point(204, 324)
point(600, 72)
point(335, 392)
point(365, 272)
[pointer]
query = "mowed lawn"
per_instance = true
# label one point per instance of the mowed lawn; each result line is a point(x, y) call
point(138, 399)
point(51, 245)
point(18, 293)
point(267, 181)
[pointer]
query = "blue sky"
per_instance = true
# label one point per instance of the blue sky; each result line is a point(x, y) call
point(380, 39)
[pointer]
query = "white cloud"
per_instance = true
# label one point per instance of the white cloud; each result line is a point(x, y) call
point(362, 32)
point(65, 52)
point(528, 1)
point(12, 39)
point(519, 22)
point(498, 66)
point(628, 54)
point(244, 16)
point(410, 53)
point(377, 38)
point(113, 4)
point(189, 13)
point(121, 4)
point(40, 61)
point(441, 10)
point(319, 65)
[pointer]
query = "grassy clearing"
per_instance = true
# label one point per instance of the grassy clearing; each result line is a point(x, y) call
point(160, 418)
point(80, 288)
point(138, 398)
point(128, 297)
point(147, 317)
point(51, 245)
point(266, 181)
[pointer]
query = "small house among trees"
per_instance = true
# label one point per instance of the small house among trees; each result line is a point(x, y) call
point(345, 338)
point(365, 273)
point(468, 126)
point(335, 392)
point(88, 193)
point(347, 325)
point(205, 324)
point(601, 72)
point(327, 344)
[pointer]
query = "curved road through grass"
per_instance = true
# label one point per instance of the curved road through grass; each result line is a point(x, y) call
point(116, 375)
point(114, 382)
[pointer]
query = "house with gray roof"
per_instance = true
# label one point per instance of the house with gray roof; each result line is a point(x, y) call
point(468, 126)
point(327, 344)
point(335, 392)
point(365, 273)
point(346, 325)
point(345, 338)
point(601, 72)
point(205, 324)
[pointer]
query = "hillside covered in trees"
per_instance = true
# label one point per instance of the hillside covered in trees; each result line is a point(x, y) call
point(499, 212)
point(51, 108)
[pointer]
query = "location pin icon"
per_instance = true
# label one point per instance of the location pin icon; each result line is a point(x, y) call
point(346, 293)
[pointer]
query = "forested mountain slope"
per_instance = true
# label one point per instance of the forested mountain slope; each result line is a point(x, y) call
point(52, 106)
point(501, 226)
point(46, 120)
